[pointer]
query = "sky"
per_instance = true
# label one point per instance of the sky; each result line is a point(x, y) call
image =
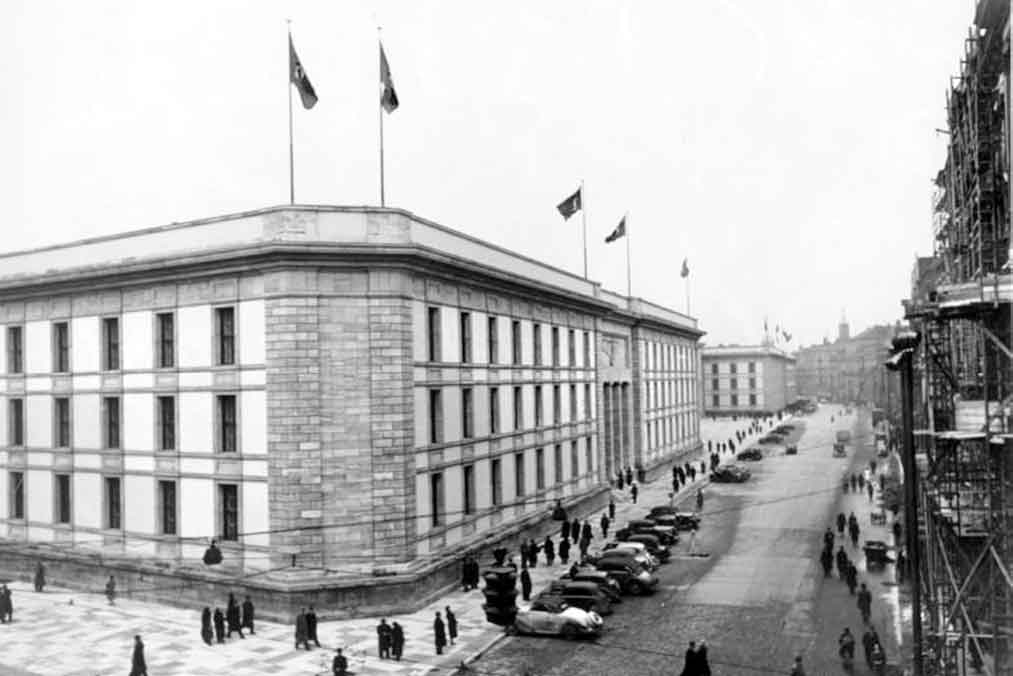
point(785, 148)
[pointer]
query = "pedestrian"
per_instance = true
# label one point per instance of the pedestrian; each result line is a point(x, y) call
point(247, 622)
point(703, 468)
point(383, 636)
point(439, 634)
point(605, 521)
point(586, 533)
point(869, 489)
point(703, 667)
point(575, 529)
point(466, 574)
point(311, 626)
point(872, 465)
point(219, 621)
point(564, 552)
point(851, 577)
point(710, 446)
point(689, 666)
point(629, 475)
point(827, 561)
point(692, 473)
point(205, 626)
point(633, 492)
point(612, 510)
point(339, 667)
point(40, 576)
point(882, 483)
point(550, 554)
point(564, 531)
point(525, 554)
point(619, 479)
point(585, 543)
point(526, 582)
point(853, 532)
point(397, 641)
point(797, 669)
point(845, 484)
point(841, 523)
point(828, 539)
point(111, 590)
point(868, 641)
point(861, 480)
point(896, 532)
point(4, 596)
point(533, 550)
point(451, 624)
point(854, 483)
point(232, 617)
point(842, 562)
point(302, 633)
point(138, 667)
point(865, 603)
point(8, 604)
point(692, 539)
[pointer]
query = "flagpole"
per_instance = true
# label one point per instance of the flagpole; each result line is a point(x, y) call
point(583, 217)
point(383, 197)
point(687, 297)
point(291, 145)
point(629, 273)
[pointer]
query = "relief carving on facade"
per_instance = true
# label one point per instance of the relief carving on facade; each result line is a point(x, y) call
point(289, 225)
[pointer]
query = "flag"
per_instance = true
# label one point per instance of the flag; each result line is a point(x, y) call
point(298, 77)
point(620, 231)
point(685, 268)
point(571, 204)
point(389, 97)
point(787, 336)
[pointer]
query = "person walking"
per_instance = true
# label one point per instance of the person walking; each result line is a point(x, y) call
point(40, 576)
point(138, 666)
point(865, 603)
point(797, 669)
point(869, 489)
point(564, 530)
point(564, 552)
point(604, 523)
point(575, 529)
point(550, 554)
point(703, 667)
point(827, 561)
point(232, 617)
point(219, 621)
point(247, 622)
point(692, 539)
point(383, 636)
point(585, 532)
point(397, 641)
point(619, 479)
point(302, 633)
point(629, 475)
point(439, 634)
point(339, 667)
point(699, 499)
point(612, 510)
point(853, 531)
point(851, 577)
point(585, 543)
point(689, 665)
point(828, 538)
point(111, 590)
point(842, 562)
point(206, 632)
point(841, 523)
point(451, 624)
point(311, 626)
point(4, 601)
point(525, 582)
point(633, 492)
point(869, 639)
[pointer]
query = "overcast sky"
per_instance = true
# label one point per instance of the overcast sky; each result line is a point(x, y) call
point(785, 148)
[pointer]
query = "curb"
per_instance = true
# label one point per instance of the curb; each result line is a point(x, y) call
point(484, 648)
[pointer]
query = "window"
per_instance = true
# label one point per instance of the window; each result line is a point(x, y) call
point(167, 507)
point(436, 499)
point(515, 341)
point(733, 384)
point(752, 400)
point(574, 459)
point(435, 416)
point(493, 410)
point(111, 422)
point(496, 481)
point(467, 414)
point(16, 491)
point(715, 401)
point(166, 346)
point(536, 332)
point(61, 422)
point(61, 347)
point(465, 337)
point(228, 501)
point(714, 369)
point(557, 463)
point(226, 409)
point(714, 384)
point(113, 513)
point(518, 408)
point(469, 489)
point(752, 367)
point(16, 422)
point(62, 490)
point(539, 468)
point(166, 423)
point(225, 323)
point(15, 350)
point(557, 405)
point(587, 401)
point(519, 474)
point(588, 455)
point(733, 368)
point(538, 405)
point(555, 346)
point(110, 343)
point(735, 400)
point(573, 403)
point(587, 349)
point(493, 340)
point(752, 383)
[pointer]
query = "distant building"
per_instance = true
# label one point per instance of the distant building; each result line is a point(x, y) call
point(746, 380)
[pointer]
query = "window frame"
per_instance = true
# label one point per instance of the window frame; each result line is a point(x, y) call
point(16, 495)
point(557, 405)
point(434, 334)
point(557, 464)
point(61, 346)
point(518, 406)
point(111, 344)
point(165, 345)
point(571, 348)
point(538, 407)
point(222, 425)
point(587, 401)
point(467, 413)
point(62, 487)
point(468, 489)
point(494, 426)
point(16, 422)
point(492, 339)
point(465, 337)
point(62, 429)
point(589, 455)
point(496, 482)
point(161, 428)
point(435, 418)
point(112, 516)
point(574, 458)
point(540, 469)
point(554, 332)
point(223, 529)
point(752, 400)
point(437, 502)
point(520, 478)
point(536, 343)
point(161, 521)
point(112, 423)
point(16, 349)
point(587, 349)
point(226, 345)
point(573, 403)
point(516, 346)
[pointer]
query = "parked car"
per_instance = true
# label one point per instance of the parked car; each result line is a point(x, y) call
point(677, 520)
point(771, 438)
point(632, 577)
point(750, 454)
point(785, 429)
point(568, 622)
point(654, 545)
point(608, 584)
point(634, 553)
point(583, 595)
point(667, 534)
point(791, 450)
point(730, 474)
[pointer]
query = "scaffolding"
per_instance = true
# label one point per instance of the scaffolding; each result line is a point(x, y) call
point(965, 364)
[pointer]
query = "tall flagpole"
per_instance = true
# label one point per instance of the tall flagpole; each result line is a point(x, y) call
point(629, 273)
point(687, 297)
point(583, 216)
point(379, 100)
point(291, 151)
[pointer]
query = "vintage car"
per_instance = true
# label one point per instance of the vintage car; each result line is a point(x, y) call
point(667, 534)
point(785, 429)
point(565, 621)
point(654, 545)
point(634, 553)
point(730, 474)
point(607, 583)
point(584, 595)
point(676, 519)
point(771, 438)
point(791, 450)
point(632, 578)
point(750, 454)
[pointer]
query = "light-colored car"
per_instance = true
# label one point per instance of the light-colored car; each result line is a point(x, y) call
point(639, 551)
point(569, 622)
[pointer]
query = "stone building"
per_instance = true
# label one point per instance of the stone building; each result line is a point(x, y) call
point(357, 387)
point(747, 380)
point(849, 369)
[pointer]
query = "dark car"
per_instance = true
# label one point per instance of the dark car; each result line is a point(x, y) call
point(791, 450)
point(677, 520)
point(654, 545)
point(730, 474)
point(750, 454)
point(637, 560)
point(771, 439)
point(667, 534)
point(785, 429)
point(632, 578)
point(608, 584)
point(583, 595)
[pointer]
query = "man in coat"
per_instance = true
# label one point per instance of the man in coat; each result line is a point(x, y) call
point(40, 576)
point(851, 577)
point(111, 590)
point(339, 667)
point(586, 533)
point(564, 551)
point(397, 640)
point(828, 538)
point(219, 622)
point(853, 532)
point(383, 636)
point(550, 558)
point(827, 561)
point(451, 624)
point(841, 523)
point(842, 562)
point(138, 666)
point(612, 509)
point(633, 492)
point(301, 630)
point(564, 530)
point(247, 622)
point(605, 521)
point(525, 582)
point(232, 617)
point(865, 603)
point(690, 666)
point(206, 633)
point(311, 626)
point(439, 634)
point(6, 605)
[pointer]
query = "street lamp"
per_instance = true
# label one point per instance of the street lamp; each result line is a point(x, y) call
point(901, 360)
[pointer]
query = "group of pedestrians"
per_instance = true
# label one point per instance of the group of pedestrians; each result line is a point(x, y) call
point(219, 626)
point(390, 638)
point(696, 663)
point(305, 628)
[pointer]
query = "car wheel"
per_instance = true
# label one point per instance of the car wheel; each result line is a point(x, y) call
point(569, 632)
point(636, 588)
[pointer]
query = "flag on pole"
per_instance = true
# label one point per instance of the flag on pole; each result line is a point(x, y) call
point(787, 336)
point(571, 205)
point(388, 99)
point(298, 77)
point(620, 231)
point(685, 268)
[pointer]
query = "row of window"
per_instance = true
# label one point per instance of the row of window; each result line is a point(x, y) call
point(669, 393)
point(436, 418)
point(733, 383)
point(733, 399)
point(165, 342)
point(113, 504)
point(665, 357)
point(437, 503)
point(434, 341)
point(733, 368)
point(665, 431)
point(111, 423)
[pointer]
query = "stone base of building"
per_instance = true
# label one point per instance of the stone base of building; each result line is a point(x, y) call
point(278, 596)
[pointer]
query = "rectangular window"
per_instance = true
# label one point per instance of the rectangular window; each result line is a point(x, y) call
point(715, 401)
point(752, 400)
point(752, 383)
point(588, 455)
point(573, 403)
point(226, 410)
point(752, 367)
point(496, 481)
point(467, 414)
point(15, 350)
point(714, 369)
point(113, 513)
point(715, 384)
point(536, 332)
point(587, 401)
point(16, 491)
point(539, 468)
point(61, 422)
point(228, 500)
point(492, 339)
point(574, 459)
point(433, 334)
point(435, 416)
point(538, 405)
point(587, 349)
point(62, 490)
point(111, 421)
point(436, 499)
point(110, 343)
point(16, 422)
point(515, 342)
point(61, 347)
point(733, 368)
point(557, 463)
point(493, 410)
point(167, 507)
point(166, 345)
point(167, 423)
point(733, 383)
point(518, 408)
point(557, 405)
point(571, 348)
point(465, 337)
point(555, 346)
point(735, 400)
point(519, 479)
point(225, 323)
point(469, 489)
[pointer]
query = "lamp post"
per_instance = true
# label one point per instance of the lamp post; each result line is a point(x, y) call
point(903, 349)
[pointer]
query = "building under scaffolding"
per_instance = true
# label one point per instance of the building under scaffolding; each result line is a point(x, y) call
point(961, 305)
